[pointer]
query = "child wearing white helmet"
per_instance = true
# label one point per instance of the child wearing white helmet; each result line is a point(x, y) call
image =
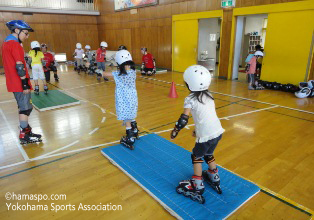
point(78, 55)
point(208, 132)
point(88, 53)
point(101, 58)
point(37, 66)
point(126, 96)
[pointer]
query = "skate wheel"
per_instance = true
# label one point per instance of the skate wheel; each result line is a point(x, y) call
point(186, 194)
point(202, 201)
point(193, 197)
point(179, 190)
point(219, 191)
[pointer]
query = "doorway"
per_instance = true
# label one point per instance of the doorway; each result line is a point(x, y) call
point(250, 32)
point(209, 44)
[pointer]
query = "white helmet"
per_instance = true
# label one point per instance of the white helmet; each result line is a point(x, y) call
point(123, 56)
point(35, 44)
point(79, 46)
point(303, 93)
point(197, 77)
point(103, 44)
point(87, 47)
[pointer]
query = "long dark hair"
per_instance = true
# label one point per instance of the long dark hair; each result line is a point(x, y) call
point(199, 94)
point(36, 50)
point(122, 67)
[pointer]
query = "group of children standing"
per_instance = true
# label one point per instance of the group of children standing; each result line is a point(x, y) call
point(100, 58)
point(148, 61)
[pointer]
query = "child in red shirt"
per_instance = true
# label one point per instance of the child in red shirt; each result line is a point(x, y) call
point(50, 63)
point(100, 59)
point(149, 64)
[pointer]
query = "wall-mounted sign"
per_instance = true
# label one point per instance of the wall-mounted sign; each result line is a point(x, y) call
point(120, 5)
point(212, 37)
point(227, 3)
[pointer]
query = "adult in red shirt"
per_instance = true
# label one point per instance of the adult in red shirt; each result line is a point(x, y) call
point(17, 77)
point(50, 63)
point(148, 63)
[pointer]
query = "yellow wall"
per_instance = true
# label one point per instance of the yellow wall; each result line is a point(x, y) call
point(287, 46)
point(288, 39)
point(185, 38)
point(185, 44)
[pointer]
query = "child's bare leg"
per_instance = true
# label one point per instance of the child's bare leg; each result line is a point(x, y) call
point(128, 124)
point(197, 169)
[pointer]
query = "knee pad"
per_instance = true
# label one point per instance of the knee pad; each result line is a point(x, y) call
point(195, 159)
point(26, 112)
point(209, 158)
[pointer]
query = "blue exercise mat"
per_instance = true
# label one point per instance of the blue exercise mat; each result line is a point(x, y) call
point(158, 165)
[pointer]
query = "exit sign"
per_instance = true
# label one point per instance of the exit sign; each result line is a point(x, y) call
point(227, 3)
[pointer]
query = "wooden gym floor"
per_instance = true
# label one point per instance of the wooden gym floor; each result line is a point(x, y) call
point(268, 140)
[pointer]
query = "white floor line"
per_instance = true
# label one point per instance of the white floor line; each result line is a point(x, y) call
point(23, 152)
point(13, 164)
point(103, 119)
point(250, 112)
point(93, 131)
point(239, 97)
point(11, 100)
point(59, 149)
point(103, 110)
point(74, 151)
point(158, 132)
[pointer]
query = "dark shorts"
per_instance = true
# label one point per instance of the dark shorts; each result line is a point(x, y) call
point(206, 148)
point(148, 69)
point(258, 66)
point(23, 101)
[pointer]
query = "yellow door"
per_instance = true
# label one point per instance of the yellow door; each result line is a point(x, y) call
point(287, 46)
point(185, 44)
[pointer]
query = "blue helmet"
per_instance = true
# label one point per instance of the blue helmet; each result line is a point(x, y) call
point(18, 24)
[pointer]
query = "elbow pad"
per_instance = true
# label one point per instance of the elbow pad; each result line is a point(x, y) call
point(182, 122)
point(20, 70)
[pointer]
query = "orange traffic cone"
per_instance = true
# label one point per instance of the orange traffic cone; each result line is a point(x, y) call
point(173, 92)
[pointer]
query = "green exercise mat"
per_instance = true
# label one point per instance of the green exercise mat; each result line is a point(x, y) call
point(54, 99)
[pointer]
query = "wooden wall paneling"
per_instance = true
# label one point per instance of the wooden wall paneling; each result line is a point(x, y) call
point(160, 56)
point(110, 38)
point(127, 39)
point(192, 6)
point(136, 45)
point(200, 5)
point(260, 2)
point(175, 9)
point(225, 43)
point(168, 46)
point(48, 30)
point(154, 42)
point(215, 4)
point(183, 7)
